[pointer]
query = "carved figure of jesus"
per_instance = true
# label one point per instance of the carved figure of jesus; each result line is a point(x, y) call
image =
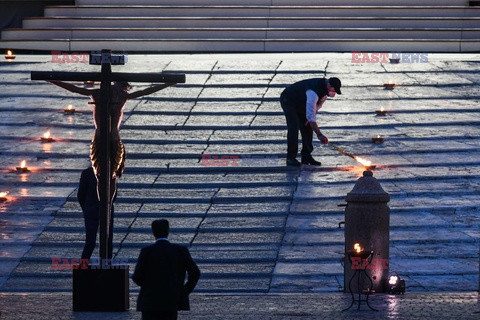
point(119, 95)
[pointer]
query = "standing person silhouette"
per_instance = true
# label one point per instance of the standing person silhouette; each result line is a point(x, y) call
point(160, 272)
point(87, 197)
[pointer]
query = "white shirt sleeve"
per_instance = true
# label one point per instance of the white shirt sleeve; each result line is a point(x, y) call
point(311, 107)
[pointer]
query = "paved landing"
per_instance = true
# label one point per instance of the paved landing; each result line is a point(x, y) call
point(461, 305)
point(255, 226)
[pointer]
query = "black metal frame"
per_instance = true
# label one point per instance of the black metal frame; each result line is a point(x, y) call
point(358, 272)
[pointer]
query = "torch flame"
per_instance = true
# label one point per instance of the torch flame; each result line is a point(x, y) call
point(23, 164)
point(46, 135)
point(365, 162)
point(357, 247)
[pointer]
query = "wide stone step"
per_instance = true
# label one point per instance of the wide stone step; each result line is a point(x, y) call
point(275, 2)
point(261, 11)
point(247, 45)
point(251, 22)
point(241, 33)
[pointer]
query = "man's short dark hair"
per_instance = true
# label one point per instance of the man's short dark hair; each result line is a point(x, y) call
point(160, 228)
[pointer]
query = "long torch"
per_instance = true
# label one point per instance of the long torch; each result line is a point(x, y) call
point(366, 163)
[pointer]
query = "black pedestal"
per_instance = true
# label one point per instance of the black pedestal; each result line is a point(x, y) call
point(96, 289)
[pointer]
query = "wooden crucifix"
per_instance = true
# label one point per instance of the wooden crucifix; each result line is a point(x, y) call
point(107, 151)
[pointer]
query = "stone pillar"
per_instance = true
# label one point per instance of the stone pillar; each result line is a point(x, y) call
point(367, 222)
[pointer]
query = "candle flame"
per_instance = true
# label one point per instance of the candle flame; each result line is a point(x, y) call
point(3, 194)
point(46, 135)
point(393, 280)
point(378, 136)
point(382, 109)
point(23, 164)
point(70, 107)
point(365, 162)
point(357, 247)
point(9, 53)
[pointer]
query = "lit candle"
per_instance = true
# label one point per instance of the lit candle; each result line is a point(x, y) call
point(46, 137)
point(377, 139)
point(23, 167)
point(389, 85)
point(357, 248)
point(10, 56)
point(393, 280)
point(381, 112)
point(3, 196)
point(70, 109)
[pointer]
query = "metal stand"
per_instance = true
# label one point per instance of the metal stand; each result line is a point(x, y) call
point(358, 273)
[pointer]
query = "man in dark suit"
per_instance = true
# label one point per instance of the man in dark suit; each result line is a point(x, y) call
point(88, 199)
point(160, 273)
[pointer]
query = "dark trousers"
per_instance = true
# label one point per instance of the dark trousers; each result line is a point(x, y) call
point(160, 315)
point(297, 121)
point(91, 228)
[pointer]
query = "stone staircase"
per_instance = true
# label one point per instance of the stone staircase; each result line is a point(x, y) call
point(252, 26)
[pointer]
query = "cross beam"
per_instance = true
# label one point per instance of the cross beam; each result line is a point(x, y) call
point(104, 109)
point(114, 76)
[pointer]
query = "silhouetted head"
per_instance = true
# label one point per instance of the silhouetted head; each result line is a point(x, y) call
point(122, 85)
point(160, 228)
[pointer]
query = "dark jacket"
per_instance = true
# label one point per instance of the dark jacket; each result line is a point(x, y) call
point(160, 272)
point(87, 192)
point(295, 94)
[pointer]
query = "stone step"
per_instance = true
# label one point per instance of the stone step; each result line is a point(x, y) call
point(280, 34)
point(249, 197)
point(235, 230)
point(472, 122)
point(148, 230)
point(214, 159)
point(205, 275)
point(257, 45)
point(261, 11)
point(250, 285)
point(231, 182)
point(275, 2)
point(252, 22)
